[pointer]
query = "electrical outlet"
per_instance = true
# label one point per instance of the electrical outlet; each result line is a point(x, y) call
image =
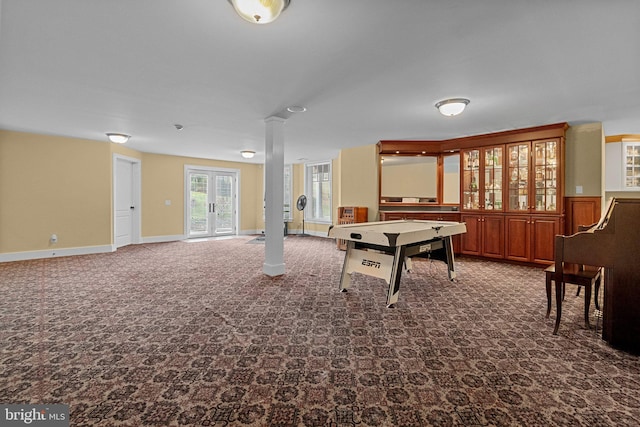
point(53, 238)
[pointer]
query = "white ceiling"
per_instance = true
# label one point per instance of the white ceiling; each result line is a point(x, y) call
point(365, 69)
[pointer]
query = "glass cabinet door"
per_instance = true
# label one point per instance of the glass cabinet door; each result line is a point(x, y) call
point(518, 176)
point(631, 165)
point(545, 154)
point(471, 179)
point(492, 178)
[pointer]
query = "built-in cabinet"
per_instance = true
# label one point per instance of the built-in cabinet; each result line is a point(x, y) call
point(511, 190)
point(532, 174)
point(350, 215)
point(482, 178)
point(484, 236)
point(530, 237)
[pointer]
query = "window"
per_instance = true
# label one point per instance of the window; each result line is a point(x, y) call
point(288, 189)
point(318, 192)
point(287, 200)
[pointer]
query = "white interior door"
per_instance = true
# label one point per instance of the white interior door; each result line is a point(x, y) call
point(212, 203)
point(126, 202)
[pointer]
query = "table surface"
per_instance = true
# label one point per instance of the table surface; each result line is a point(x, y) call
point(396, 233)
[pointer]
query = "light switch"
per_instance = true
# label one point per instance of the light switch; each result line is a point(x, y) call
point(167, 202)
point(578, 189)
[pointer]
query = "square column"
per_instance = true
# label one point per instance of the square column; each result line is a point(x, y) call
point(274, 197)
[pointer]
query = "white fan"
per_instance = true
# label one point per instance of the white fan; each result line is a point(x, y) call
point(300, 205)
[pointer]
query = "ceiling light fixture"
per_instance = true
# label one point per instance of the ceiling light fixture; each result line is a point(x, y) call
point(259, 11)
point(118, 138)
point(247, 154)
point(296, 109)
point(452, 107)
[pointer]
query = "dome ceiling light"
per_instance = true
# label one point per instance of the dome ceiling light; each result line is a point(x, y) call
point(247, 154)
point(259, 11)
point(118, 138)
point(452, 107)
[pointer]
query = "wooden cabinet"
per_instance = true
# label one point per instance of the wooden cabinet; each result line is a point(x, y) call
point(581, 211)
point(511, 189)
point(350, 215)
point(513, 178)
point(530, 238)
point(535, 176)
point(482, 178)
point(484, 236)
point(423, 216)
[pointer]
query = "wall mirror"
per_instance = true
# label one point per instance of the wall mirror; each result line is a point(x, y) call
point(409, 179)
point(426, 179)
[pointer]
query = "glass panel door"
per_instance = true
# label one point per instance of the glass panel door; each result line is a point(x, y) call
point(471, 179)
point(212, 199)
point(223, 207)
point(493, 178)
point(545, 155)
point(198, 204)
point(518, 177)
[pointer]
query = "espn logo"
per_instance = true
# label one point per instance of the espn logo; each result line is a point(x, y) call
point(369, 263)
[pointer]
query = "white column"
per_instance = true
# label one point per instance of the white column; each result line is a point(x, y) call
point(274, 197)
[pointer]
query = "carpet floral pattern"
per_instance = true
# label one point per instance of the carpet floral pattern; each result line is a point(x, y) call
point(194, 334)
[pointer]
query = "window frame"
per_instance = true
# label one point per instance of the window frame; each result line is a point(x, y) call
point(288, 195)
point(309, 216)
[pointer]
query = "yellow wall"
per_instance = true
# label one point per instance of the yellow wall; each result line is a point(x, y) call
point(64, 186)
point(61, 185)
point(584, 160)
point(357, 171)
point(53, 185)
point(163, 179)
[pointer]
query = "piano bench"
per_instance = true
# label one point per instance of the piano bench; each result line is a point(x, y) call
point(589, 277)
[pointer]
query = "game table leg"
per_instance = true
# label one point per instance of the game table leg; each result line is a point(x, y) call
point(345, 280)
point(448, 247)
point(394, 280)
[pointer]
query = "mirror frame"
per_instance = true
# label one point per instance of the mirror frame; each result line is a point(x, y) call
point(439, 201)
point(439, 185)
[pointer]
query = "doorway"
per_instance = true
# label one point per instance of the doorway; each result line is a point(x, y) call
point(126, 201)
point(211, 202)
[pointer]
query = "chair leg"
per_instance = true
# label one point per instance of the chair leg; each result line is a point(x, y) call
point(587, 304)
point(597, 292)
point(559, 293)
point(548, 285)
point(578, 292)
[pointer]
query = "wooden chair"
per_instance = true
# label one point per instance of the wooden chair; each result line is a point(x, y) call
point(561, 273)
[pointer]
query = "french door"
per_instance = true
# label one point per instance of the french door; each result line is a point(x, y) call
point(211, 203)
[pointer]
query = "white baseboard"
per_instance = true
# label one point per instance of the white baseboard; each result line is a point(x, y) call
point(163, 239)
point(309, 232)
point(55, 253)
point(87, 250)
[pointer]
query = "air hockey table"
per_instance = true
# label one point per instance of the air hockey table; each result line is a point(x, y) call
point(381, 249)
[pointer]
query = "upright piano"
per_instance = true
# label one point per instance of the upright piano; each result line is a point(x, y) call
point(614, 243)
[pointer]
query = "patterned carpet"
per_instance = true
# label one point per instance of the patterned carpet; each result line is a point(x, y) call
point(194, 334)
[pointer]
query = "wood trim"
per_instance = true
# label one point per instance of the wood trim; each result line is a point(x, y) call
point(581, 211)
point(622, 138)
point(556, 130)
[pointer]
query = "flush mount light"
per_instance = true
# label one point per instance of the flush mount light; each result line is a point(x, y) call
point(118, 138)
point(247, 154)
point(296, 109)
point(259, 11)
point(452, 107)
